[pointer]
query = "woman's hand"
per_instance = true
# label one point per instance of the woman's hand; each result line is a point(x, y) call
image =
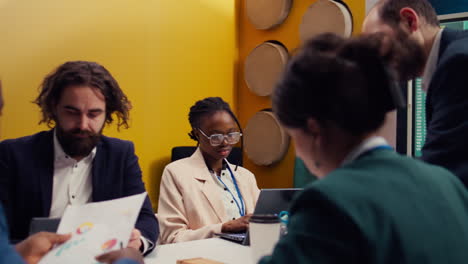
point(238, 225)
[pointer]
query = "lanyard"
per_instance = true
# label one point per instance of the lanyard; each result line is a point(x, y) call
point(365, 147)
point(374, 148)
point(241, 205)
point(381, 147)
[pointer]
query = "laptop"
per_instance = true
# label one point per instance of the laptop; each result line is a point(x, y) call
point(270, 201)
point(40, 224)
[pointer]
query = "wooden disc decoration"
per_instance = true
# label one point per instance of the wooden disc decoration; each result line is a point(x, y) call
point(266, 14)
point(265, 141)
point(263, 67)
point(326, 16)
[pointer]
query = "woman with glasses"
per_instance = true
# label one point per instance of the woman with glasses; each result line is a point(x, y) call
point(205, 194)
point(370, 204)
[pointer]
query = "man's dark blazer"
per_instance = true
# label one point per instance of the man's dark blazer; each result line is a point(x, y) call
point(447, 107)
point(26, 180)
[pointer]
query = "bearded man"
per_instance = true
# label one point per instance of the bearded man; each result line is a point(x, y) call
point(74, 163)
point(441, 57)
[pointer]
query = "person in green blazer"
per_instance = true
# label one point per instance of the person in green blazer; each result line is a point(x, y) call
point(370, 204)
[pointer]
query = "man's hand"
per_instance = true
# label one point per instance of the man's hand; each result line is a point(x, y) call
point(33, 248)
point(135, 240)
point(115, 255)
point(235, 226)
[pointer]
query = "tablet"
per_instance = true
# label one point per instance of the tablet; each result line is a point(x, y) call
point(43, 224)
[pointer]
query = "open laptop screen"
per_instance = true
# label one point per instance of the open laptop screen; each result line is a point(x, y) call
point(273, 201)
point(270, 201)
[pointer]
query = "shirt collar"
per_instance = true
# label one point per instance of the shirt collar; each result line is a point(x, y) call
point(365, 146)
point(223, 168)
point(59, 154)
point(431, 63)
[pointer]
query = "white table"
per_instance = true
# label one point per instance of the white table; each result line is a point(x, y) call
point(212, 248)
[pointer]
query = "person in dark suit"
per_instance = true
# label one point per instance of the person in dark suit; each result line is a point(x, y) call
point(74, 163)
point(370, 204)
point(444, 57)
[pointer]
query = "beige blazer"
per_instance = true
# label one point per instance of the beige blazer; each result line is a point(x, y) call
point(190, 205)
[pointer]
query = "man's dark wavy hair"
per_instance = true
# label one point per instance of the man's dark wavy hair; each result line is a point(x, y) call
point(83, 73)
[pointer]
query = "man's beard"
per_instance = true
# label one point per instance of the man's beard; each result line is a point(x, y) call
point(77, 146)
point(408, 58)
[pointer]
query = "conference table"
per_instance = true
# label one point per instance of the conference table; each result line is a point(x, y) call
point(213, 248)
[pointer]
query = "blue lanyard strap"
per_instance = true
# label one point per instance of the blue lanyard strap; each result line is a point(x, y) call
point(241, 200)
point(381, 147)
point(376, 148)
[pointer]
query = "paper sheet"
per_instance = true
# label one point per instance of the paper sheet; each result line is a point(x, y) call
point(96, 228)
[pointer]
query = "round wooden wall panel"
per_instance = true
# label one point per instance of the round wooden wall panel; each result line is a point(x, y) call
point(265, 141)
point(263, 67)
point(326, 16)
point(266, 14)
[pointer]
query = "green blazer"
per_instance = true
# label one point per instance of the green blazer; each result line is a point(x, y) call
point(381, 208)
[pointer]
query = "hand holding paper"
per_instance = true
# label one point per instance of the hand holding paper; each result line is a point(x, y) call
point(96, 228)
point(135, 239)
point(36, 246)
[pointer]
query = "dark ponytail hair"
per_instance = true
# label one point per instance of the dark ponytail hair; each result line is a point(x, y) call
point(336, 80)
point(208, 106)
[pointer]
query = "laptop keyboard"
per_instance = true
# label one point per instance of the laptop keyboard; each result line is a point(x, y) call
point(233, 237)
point(237, 237)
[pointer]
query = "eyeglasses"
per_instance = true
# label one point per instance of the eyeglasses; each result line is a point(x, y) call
point(217, 139)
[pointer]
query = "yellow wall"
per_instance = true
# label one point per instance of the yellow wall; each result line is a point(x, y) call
point(164, 53)
point(280, 174)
